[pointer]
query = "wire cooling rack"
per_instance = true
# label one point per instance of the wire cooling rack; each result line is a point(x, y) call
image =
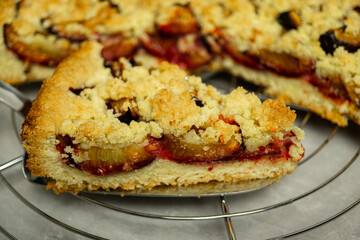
point(322, 188)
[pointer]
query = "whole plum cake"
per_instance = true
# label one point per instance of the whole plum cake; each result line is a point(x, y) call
point(305, 52)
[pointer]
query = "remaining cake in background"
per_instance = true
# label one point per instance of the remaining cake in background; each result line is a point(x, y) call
point(88, 130)
point(303, 51)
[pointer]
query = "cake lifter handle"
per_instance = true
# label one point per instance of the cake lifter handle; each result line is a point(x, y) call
point(18, 102)
point(14, 99)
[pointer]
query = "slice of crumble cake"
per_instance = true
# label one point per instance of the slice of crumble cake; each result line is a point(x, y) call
point(89, 130)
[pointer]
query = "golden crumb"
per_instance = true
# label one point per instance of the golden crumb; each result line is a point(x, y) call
point(274, 114)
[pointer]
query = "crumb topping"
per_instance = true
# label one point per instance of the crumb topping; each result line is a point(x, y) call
point(157, 102)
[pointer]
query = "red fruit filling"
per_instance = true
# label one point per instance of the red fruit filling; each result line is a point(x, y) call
point(31, 53)
point(187, 51)
point(180, 20)
point(330, 88)
point(242, 57)
point(289, 66)
point(77, 91)
point(126, 116)
point(177, 150)
point(173, 149)
point(133, 158)
point(117, 46)
point(105, 168)
point(66, 158)
point(280, 63)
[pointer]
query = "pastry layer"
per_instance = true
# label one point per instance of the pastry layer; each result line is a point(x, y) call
point(167, 173)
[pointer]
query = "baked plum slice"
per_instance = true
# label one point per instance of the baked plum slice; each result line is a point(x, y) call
point(176, 149)
point(176, 20)
point(125, 108)
point(116, 46)
point(239, 56)
point(280, 63)
point(329, 87)
point(334, 38)
point(116, 67)
point(89, 25)
point(286, 64)
point(103, 161)
point(188, 51)
point(289, 20)
point(35, 49)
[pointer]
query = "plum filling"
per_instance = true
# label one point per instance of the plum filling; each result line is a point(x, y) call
point(280, 63)
point(177, 20)
point(126, 114)
point(35, 53)
point(66, 141)
point(197, 102)
point(103, 161)
point(117, 46)
point(178, 39)
point(289, 20)
point(177, 150)
point(77, 91)
point(116, 67)
point(330, 88)
point(105, 169)
point(188, 51)
point(230, 121)
point(106, 161)
point(241, 57)
point(290, 66)
point(334, 38)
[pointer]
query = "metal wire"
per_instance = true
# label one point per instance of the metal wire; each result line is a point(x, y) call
point(236, 214)
point(338, 214)
point(305, 120)
point(30, 205)
point(332, 133)
point(331, 217)
point(6, 233)
point(11, 163)
point(43, 214)
point(229, 226)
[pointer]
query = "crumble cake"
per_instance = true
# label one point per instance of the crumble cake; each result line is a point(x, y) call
point(148, 127)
